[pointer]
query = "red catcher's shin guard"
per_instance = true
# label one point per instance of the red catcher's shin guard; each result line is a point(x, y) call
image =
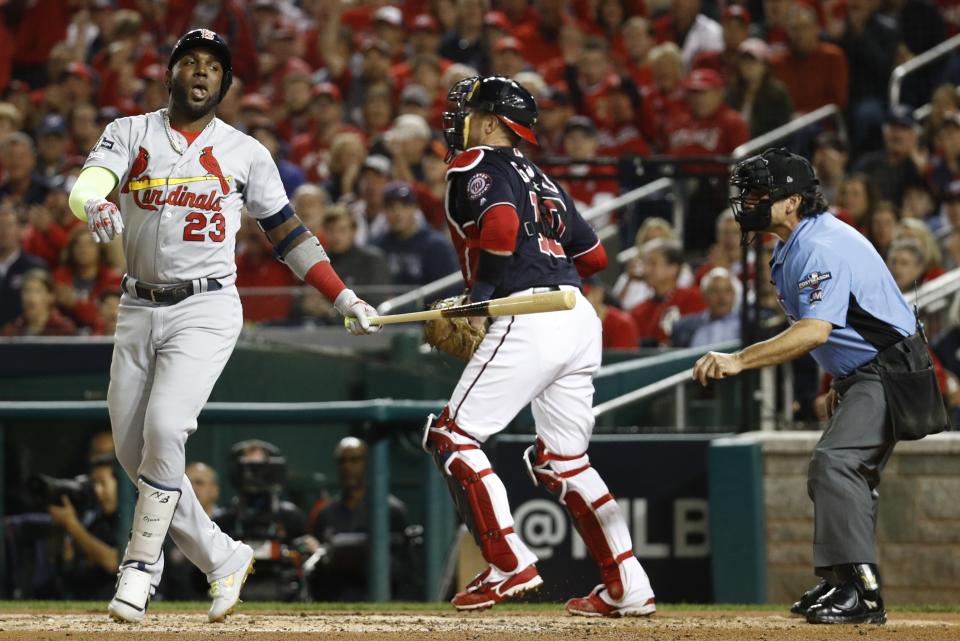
point(478, 492)
point(487, 529)
point(595, 514)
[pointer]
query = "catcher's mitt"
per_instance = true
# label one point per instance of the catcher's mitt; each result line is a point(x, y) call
point(455, 336)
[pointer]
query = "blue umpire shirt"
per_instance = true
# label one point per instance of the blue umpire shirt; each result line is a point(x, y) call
point(827, 270)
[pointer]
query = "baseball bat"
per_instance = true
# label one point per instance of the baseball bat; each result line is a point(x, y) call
point(510, 306)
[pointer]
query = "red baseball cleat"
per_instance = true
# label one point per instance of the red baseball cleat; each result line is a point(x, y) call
point(483, 593)
point(593, 606)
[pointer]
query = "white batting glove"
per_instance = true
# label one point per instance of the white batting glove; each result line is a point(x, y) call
point(103, 219)
point(356, 313)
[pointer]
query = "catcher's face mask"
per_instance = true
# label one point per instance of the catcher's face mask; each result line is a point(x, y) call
point(456, 124)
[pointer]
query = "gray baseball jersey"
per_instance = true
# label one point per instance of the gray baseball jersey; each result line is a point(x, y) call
point(181, 203)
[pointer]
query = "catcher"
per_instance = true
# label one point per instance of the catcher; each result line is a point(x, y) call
point(516, 232)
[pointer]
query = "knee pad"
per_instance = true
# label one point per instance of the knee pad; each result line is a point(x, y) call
point(591, 506)
point(151, 520)
point(476, 490)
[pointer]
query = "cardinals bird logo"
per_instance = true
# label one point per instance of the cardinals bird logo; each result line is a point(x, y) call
point(209, 162)
point(138, 167)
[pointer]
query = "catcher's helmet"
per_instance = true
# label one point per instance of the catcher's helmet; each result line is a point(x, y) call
point(211, 40)
point(763, 180)
point(505, 98)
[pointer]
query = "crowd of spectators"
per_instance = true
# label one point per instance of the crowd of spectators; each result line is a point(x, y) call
point(348, 98)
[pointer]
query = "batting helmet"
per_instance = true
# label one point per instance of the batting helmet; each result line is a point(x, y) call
point(505, 98)
point(210, 39)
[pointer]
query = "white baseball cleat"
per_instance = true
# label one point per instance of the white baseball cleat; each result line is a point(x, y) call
point(226, 591)
point(129, 603)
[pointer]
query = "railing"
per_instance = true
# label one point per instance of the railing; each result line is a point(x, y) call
point(785, 131)
point(677, 382)
point(917, 62)
point(431, 289)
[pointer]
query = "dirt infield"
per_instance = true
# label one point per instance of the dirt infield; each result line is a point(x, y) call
point(436, 624)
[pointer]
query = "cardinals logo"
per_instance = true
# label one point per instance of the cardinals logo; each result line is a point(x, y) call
point(138, 167)
point(209, 162)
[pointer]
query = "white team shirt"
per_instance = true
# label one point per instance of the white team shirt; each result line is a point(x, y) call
point(181, 211)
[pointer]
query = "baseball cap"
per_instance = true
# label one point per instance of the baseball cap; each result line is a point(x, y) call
point(952, 192)
point(702, 79)
point(736, 12)
point(509, 43)
point(791, 173)
point(497, 20)
point(296, 69)
point(52, 124)
point(415, 94)
point(951, 119)
point(580, 123)
point(79, 70)
point(398, 191)
point(900, 115)
point(155, 72)
point(832, 140)
point(424, 22)
point(553, 97)
point(390, 15)
point(408, 127)
point(756, 48)
point(378, 163)
point(255, 102)
point(327, 89)
point(108, 113)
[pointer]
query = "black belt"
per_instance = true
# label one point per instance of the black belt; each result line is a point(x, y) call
point(170, 294)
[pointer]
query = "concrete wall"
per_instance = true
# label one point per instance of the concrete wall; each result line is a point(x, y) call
point(918, 529)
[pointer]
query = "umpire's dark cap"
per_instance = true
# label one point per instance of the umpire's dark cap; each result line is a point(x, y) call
point(792, 174)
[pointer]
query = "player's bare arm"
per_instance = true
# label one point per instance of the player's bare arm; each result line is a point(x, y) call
point(802, 337)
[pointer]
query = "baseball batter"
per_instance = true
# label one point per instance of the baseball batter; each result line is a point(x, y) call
point(183, 177)
point(517, 232)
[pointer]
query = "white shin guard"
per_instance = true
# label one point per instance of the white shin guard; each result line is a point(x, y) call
point(133, 591)
point(151, 520)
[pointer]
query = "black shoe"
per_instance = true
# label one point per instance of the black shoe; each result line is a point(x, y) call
point(810, 597)
point(857, 600)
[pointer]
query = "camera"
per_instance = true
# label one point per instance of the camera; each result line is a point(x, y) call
point(46, 490)
point(267, 523)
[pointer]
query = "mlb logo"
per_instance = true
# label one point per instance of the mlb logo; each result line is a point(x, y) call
point(207, 34)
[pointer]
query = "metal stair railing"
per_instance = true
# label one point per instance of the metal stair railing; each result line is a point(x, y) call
point(918, 62)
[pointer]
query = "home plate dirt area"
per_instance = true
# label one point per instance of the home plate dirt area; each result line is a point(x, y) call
point(421, 622)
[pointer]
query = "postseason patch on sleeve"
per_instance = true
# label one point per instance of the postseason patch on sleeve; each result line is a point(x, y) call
point(103, 143)
point(478, 185)
point(813, 279)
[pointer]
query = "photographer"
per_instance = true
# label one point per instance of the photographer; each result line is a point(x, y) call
point(66, 547)
point(88, 559)
point(276, 529)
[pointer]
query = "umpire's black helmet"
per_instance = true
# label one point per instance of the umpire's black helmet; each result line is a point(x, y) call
point(505, 98)
point(211, 40)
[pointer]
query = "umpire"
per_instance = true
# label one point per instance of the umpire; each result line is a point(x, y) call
point(846, 309)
